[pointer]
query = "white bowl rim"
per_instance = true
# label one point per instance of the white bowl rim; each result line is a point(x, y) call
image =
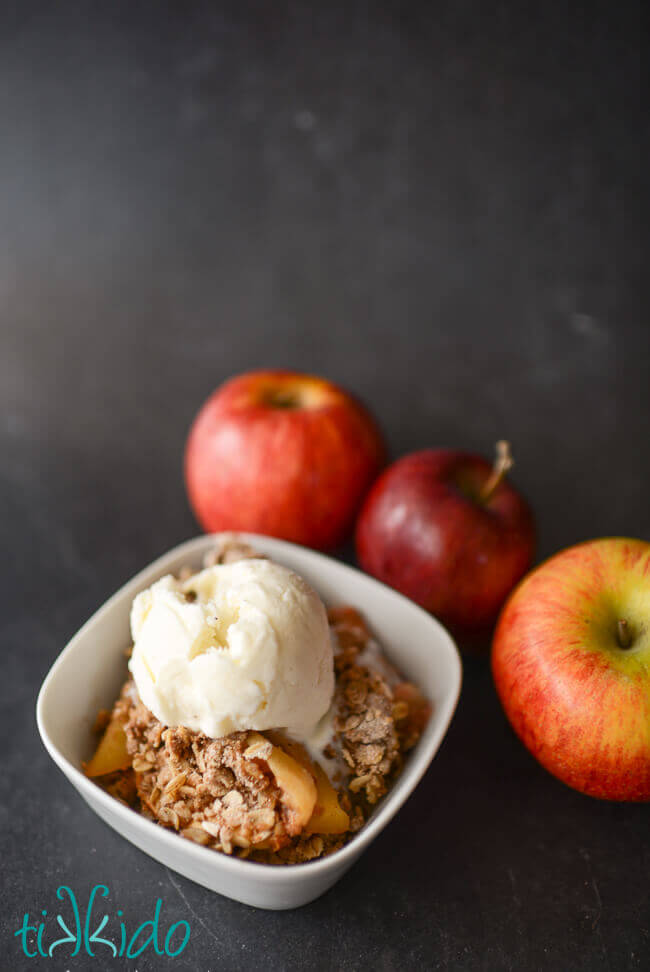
point(402, 788)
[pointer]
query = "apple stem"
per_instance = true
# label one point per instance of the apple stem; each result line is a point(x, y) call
point(502, 464)
point(623, 634)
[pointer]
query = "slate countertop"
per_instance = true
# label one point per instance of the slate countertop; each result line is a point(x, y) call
point(440, 206)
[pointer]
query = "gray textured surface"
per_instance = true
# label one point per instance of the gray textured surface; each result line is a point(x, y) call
point(446, 213)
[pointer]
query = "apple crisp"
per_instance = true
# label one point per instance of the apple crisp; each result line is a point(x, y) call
point(262, 796)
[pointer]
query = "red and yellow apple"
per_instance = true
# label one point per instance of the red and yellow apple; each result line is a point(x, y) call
point(284, 454)
point(447, 529)
point(571, 664)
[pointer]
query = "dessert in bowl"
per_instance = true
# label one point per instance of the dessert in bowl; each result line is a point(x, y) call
point(301, 760)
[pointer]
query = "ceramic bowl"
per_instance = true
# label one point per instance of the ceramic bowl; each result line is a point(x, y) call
point(88, 674)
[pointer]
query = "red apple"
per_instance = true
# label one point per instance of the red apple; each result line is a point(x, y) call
point(447, 530)
point(284, 454)
point(571, 664)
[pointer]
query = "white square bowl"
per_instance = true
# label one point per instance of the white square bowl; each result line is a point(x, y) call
point(88, 674)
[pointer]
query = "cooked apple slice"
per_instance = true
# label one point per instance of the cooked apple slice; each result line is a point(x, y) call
point(419, 709)
point(327, 816)
point(296, 783)
point(111, 754)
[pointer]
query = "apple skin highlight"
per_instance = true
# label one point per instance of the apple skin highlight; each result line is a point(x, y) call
point(577, 699)
point(283, 454)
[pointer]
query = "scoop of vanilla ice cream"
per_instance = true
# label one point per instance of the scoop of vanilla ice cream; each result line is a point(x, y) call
point(238, 646)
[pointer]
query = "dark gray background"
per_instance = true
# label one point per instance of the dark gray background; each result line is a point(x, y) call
point(442, 206)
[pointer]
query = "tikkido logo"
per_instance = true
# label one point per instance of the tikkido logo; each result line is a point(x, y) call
point(82, 932)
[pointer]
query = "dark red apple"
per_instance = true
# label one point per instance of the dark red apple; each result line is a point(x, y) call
point(571, 664)
point(446, 529)
point(284, 454)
